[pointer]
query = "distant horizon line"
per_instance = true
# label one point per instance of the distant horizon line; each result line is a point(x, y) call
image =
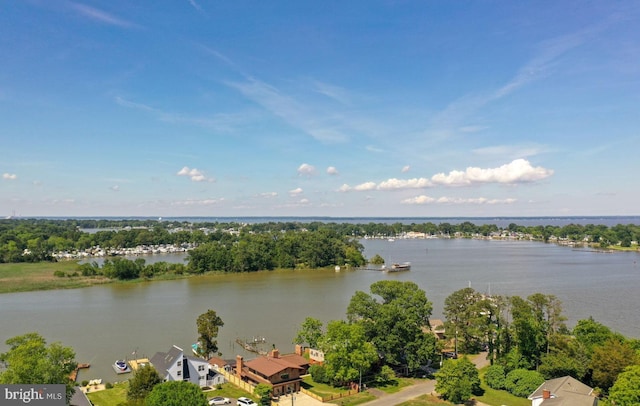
point(328, 217)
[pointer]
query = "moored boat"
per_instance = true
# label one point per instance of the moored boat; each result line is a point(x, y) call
point(121, 367)
point(406, 266)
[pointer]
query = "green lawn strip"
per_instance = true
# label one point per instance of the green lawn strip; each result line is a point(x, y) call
point(24, 277)
point(357, 399)
point(425, 400)
point(499, 397)
point(107, 397)
point(396, 386)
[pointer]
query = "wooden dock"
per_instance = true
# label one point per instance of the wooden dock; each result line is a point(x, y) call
point(74, 374)
point(138, 363)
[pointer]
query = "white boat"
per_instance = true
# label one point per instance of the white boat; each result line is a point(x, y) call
point(121, 367)
point(406, 266)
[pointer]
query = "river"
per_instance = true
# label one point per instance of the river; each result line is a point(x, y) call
point(105, 323)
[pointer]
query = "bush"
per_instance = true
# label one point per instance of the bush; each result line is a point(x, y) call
point(59, 274)
point(495, 376)
point(108, 385)
point(318, 373)
point(522, 382)
point(84, 383)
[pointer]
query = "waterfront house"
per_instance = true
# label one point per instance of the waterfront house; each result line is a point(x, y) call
point(282, 374)
point(565, 391)
point(174, 365)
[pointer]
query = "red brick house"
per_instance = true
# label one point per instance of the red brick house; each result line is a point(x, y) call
point(281, 373)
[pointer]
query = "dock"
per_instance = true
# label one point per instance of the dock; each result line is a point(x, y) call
point(74, 374)
point(135, 364)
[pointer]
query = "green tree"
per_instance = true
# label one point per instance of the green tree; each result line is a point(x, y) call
point(522, 382)
point(591, 333)
point(176, 393)
point(609, 360)
point(462, 313)
point(457, 380)
point(30, 361)
point(310, 332)
point(494, 377)
point(208, 325)
point(143, 381)
point(376, 260)
point(626, 390)
point(264, 392)
point(347, 353)
point(395, 324)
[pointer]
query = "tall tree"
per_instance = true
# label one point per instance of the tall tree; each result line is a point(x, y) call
point(396, 324)
point(347, 352)
point(609, 360)
point(30, 361)
point(462, 313)
point(310, 332)
point(208, 325)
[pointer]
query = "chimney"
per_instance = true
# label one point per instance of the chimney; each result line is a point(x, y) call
point(239, 365)
point(298, 349)
point(275, 353)
point(546, 394)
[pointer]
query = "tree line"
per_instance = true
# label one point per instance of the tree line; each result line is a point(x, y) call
point(34, 240)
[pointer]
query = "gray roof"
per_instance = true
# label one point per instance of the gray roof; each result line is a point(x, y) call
point(565, 391)
point(161, 361)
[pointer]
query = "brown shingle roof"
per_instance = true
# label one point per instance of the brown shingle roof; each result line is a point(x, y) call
point(269, 366)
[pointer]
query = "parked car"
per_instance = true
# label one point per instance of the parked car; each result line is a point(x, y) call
point(219, 400)
point(246, 402)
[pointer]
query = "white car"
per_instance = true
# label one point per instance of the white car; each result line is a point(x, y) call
point(246, 402)
point(219, 400)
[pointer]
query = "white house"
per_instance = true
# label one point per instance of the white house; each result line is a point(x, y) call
point(565, 391)
point(174, 365)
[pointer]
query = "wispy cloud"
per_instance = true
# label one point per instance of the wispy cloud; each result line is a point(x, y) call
point(218, 122)
point(194, 174)
point(319, 125)
point(9, 176)
point(295, 192)
point(115, 188)
point(422, 199)
point(101, 16)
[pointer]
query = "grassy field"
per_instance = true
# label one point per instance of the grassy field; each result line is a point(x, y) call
point(24, 277)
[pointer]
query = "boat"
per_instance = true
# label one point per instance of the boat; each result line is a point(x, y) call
point(121, 367)
point(406, 266)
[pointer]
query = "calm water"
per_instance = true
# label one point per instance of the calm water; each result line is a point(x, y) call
point(104, 323)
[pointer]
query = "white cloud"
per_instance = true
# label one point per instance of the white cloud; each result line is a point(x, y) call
point(9, 176)
point(306, 169)
point(365, 186)
point(518, 171)
point(115, 188)
point(394, 184)
point(422, 199)
point(332, 170)
point(194, 174)
point(295, 192)
point(406, 169)
point(344, 188)
point(268, 195)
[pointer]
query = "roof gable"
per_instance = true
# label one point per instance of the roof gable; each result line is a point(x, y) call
point(565, 391)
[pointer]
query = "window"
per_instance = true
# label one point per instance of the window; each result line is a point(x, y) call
point(200, 367)
point(179, 363)
point(179, 373)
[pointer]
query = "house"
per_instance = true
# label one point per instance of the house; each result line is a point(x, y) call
point(565, 391)
point(174, 365)
point(436, 328)
point(281, 373)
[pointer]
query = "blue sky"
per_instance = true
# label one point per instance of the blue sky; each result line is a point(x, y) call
point(331, 108)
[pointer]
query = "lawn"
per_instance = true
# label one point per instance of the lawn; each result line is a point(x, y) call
point(108, 397)
point(24, 277)
point(499, 397)
point(425, 400)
